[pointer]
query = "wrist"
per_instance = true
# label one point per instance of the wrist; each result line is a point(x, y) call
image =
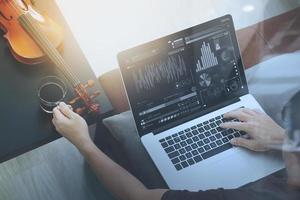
point(84, 144)
point(87, 147)
point(280, 136)
point(293, 183)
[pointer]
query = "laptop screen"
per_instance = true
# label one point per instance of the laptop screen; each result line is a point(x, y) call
point(183, 76)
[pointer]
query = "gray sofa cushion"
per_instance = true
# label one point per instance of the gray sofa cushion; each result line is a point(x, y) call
point(272, 83)
point(123, 129)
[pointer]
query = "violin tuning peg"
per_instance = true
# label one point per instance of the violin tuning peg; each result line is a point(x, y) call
point(95, 108)
point(80, 110)
point(89, 84)
point(73, 101)
point(95, 94)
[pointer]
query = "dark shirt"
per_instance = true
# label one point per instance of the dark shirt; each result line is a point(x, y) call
point(273, 187)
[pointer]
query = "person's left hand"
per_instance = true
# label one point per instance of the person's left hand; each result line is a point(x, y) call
point(261, 129)
point(292, 163)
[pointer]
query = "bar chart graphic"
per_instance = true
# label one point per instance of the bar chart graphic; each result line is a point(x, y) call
point(208, 58)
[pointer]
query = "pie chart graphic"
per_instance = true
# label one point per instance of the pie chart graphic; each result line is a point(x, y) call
point(205, 80)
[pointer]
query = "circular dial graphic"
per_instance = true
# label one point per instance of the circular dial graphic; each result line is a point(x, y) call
point(226, 55)
point(233, 85)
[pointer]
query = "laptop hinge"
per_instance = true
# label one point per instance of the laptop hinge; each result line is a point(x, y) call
point(195, 115)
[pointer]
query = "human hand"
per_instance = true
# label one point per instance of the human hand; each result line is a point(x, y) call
point(292, 163)
point(263, 132)
point(71, 125)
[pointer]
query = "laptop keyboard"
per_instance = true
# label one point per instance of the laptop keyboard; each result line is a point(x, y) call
point(199, 142)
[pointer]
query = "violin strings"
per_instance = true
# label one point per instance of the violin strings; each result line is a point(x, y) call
point(51, 50)
point(48, 47)
point(15, 8)
point(56, 57)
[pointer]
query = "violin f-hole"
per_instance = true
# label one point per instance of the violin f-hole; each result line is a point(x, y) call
point(5, 17)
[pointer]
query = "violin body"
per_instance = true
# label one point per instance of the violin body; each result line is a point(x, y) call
point(21, 44)
point(33, 37)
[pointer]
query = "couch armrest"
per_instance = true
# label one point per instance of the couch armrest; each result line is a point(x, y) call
point(112, 84)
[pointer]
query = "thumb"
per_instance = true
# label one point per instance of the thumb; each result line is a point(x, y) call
point(242, 142)
point(65, 109)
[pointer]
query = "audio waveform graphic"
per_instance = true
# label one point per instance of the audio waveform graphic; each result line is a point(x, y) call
point(164, 71)
point(208, 58)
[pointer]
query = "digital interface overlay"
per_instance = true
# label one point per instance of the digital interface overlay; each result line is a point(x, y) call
point(188, 75)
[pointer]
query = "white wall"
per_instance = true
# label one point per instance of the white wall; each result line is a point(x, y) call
point(103, 28)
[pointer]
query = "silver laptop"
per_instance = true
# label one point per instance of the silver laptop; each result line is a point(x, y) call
point(179, 87)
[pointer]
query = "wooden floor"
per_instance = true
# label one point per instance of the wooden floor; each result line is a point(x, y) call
point(55, 171)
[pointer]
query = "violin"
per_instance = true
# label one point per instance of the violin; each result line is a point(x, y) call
point(32, 38)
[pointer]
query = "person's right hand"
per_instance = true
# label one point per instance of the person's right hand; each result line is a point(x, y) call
point(263, 132)
point(71, 125)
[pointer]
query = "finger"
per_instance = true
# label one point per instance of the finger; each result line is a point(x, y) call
point(56, 125)
point(58, 115)
point(242, 142)
point(241, 126)
point(54, 122)
point(238, 114)
point(248, 111)
point(65, 109)
point(53, 111)
point(257, 111)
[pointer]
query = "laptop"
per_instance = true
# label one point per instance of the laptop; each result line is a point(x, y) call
point(179, 87)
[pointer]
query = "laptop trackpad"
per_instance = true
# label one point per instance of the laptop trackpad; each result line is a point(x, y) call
point(232, 169)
